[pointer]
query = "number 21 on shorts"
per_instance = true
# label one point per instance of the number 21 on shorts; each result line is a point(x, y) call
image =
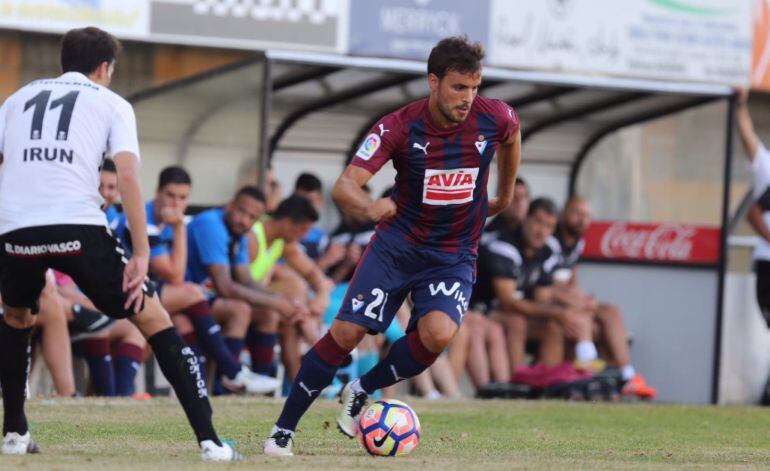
point(380, 300)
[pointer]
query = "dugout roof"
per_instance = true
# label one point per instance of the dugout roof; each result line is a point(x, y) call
point(325, 103)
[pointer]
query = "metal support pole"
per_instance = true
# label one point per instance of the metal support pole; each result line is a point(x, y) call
point(263, 154)
point(723, 234)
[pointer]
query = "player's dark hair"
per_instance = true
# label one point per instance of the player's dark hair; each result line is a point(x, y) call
point(85, 49)
point(543, 204)
point(456, 53)
point(252, 192)
point(173, 174)
point(521, 181)
point(297, 208)
point(108, 165)
point(307, 182)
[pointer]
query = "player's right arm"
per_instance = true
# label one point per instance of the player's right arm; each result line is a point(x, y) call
point(351, 198)
point(385, 139)
point(749, 137)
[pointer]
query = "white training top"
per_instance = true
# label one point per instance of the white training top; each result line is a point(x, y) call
point(53, 136)
point(760, 168)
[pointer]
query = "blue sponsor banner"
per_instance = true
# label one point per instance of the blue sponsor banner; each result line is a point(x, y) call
point(410, 28)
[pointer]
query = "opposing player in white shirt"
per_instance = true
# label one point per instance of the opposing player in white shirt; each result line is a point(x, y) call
point(53, 135)
point(759, 212)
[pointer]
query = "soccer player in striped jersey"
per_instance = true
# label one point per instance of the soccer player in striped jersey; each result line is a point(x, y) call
point(426, 240)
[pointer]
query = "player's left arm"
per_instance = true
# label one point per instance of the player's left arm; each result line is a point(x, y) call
point(757, 222)
point(131, 195)
point(124, 146)
point(297, 259)
point(508, 160)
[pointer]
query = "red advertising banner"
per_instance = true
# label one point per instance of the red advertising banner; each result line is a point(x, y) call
point(652, 242)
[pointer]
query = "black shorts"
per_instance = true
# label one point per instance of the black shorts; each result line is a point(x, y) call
point(762, 269)
point(91, 255)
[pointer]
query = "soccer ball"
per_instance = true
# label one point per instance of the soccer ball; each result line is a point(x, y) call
point(389, 428)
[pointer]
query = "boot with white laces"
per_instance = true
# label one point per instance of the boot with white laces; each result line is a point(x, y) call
point(353, 399)
point(279, 443)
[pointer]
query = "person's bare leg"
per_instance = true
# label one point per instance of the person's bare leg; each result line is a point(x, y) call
point(444, 378)
point(125, 332)
point(551, 343)
point(289, 283)
point(458, 350)
point(57, 351)
point(290, 352)
point(613, 331)
point(182, 324)
point(423, 382)
point(515, 326)
point(478, 361)
point(497, 350)
point(233, 315)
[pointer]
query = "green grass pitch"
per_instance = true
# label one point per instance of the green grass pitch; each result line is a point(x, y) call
point(97, 434)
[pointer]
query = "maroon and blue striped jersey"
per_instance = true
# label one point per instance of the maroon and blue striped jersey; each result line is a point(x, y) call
point(441, 173)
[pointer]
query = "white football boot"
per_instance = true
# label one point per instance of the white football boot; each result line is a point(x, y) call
point(210, 451)
point(279, 443)
point(353, 400)
point(249, 382)
point(15, 444)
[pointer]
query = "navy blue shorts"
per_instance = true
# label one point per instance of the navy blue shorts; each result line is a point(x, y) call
point(390, 269)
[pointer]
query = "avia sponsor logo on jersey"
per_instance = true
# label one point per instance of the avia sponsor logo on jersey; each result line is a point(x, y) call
point(48, 155)
point(370, 146)
point(454, 186)
point(62, 248)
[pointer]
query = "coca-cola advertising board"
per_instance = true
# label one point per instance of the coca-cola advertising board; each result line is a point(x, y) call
point(652, 242)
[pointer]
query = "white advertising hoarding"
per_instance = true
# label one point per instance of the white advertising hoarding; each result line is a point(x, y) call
point(127, 19)
point(699, 40)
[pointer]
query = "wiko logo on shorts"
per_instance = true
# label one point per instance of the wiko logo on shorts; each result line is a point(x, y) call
point(63, 248)
point(454, 292)
point(445, 187)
